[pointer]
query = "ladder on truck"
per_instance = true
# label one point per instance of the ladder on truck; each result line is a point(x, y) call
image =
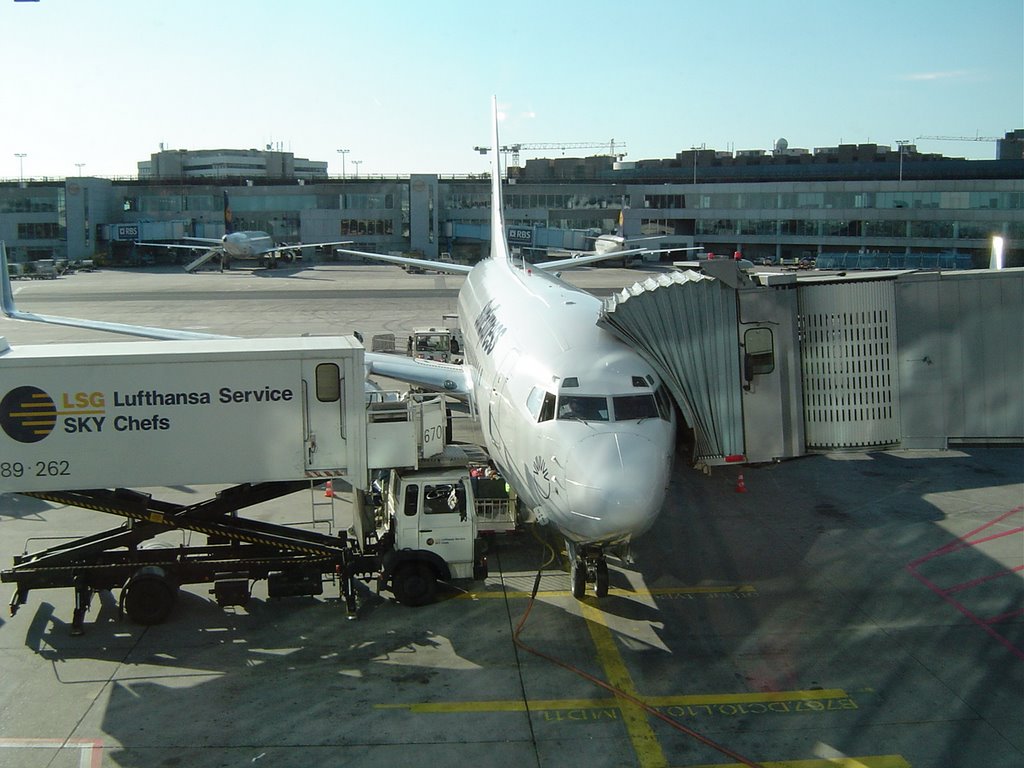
point(238, 550)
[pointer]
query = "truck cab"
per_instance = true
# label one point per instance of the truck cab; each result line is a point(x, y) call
point(427, 525)
point(437, 344)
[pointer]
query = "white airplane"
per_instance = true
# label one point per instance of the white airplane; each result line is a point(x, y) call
point(243, 244)
point(574, 419)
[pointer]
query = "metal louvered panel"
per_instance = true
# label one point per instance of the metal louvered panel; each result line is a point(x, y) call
point(848, 356)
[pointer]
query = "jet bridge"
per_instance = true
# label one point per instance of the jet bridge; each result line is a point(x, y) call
point(767, 366)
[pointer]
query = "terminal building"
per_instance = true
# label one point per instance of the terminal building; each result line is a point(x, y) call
point(900, 353)
point(850, 203)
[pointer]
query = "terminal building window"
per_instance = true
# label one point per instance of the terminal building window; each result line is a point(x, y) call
point(40, 231)
point(23, 201)
point(367, 227)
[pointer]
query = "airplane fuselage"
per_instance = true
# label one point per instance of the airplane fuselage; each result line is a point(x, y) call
point(533, 350)
point(247, 245)
point(609, 243)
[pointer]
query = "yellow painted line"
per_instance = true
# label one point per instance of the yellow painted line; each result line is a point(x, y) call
point(696, 699)
point(656, 592)
point(870, 761)
point(645, 743)
point(507, 705)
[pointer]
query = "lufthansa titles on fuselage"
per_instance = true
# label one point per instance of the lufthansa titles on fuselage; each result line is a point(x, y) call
point(488, 327)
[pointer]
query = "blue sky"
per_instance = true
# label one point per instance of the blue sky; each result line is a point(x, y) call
point(405, 85)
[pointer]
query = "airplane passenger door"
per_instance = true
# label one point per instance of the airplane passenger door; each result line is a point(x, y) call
point(497, 411)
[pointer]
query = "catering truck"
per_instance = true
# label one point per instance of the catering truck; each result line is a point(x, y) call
point(88, 425)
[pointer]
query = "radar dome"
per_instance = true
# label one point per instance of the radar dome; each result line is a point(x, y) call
point(781, 145)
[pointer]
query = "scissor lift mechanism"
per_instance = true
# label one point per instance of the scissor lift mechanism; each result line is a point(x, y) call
point(238, 550)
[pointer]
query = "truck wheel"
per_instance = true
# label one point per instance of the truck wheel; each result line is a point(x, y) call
point(149, 596)
point(414, 584)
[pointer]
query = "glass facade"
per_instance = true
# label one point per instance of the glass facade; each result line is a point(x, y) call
point(937, 200)
point(31, 200)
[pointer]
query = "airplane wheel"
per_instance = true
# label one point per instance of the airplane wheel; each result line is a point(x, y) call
point(414, 584)
point(602, 578)
point(579, 579)
point(149, 596)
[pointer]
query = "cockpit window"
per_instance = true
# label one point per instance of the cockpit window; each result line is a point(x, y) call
point(664, 402)
point(631, 407)
point(583, 408)
point(547, 410)
point(541, 404)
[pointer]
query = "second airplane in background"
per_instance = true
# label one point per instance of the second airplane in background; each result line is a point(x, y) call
point(244, 244)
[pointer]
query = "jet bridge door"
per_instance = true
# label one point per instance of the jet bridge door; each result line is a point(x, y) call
point(848, 359)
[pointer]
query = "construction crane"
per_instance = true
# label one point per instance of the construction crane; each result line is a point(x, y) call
point(960, 138)
point(515, 149)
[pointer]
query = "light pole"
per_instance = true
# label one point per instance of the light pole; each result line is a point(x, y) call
point(902, 143)
point(357, 163)
point(21, 168)
point(79, 169)
point(695, 150)
point(343, 152)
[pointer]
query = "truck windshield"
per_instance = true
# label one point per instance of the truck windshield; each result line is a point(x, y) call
point(444, 499)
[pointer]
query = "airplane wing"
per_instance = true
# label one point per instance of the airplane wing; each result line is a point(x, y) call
point(283, 247)
point(444, 377)
point(205, 243)
point(438, 266)
point(9, 309)
point(449, 378)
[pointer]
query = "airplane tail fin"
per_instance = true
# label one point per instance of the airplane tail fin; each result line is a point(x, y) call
point(229, 225)
point(499, 243)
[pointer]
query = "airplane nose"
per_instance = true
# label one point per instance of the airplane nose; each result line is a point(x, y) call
point(615, 484)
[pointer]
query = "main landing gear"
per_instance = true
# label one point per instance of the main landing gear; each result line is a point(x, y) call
point(587, 565)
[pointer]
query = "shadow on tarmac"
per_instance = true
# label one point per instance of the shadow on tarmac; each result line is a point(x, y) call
point(823, 541)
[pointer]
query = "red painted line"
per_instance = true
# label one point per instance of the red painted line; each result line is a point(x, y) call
point(964, 542)
point(982, 580)
point(1005, 616)
point(964, 610)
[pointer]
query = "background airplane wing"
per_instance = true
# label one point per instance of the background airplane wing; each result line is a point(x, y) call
point(185, 246)
point(590, 258)
point(283, 247)
point(438, 266)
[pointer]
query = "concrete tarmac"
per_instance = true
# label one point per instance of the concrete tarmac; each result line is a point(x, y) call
point(854, 609)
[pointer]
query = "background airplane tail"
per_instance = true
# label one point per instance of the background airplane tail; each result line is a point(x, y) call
point(229, 225)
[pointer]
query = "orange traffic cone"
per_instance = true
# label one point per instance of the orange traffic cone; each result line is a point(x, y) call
point(329, 490)
point(741, 487)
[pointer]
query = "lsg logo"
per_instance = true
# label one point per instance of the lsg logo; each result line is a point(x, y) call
point(27, 414)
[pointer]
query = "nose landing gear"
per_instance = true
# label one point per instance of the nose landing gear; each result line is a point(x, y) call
point(587, 565)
